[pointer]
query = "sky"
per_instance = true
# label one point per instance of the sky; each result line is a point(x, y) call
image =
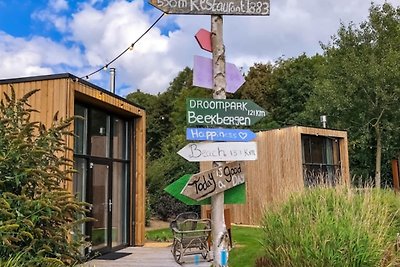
point(41, 37)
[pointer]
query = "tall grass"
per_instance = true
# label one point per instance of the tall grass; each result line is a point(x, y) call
point(333, 227)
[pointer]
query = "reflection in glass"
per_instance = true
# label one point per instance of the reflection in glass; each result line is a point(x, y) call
point(80, 182)
point(80, 130)
point(100, 206)
point(120, 139)
point(99, 133)
point(120, 203)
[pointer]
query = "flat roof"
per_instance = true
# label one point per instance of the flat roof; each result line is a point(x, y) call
point(65, 76)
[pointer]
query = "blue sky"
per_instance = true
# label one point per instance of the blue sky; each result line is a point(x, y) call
point(40, 37)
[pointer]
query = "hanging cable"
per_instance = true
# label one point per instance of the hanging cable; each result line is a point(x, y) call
point(123, 52)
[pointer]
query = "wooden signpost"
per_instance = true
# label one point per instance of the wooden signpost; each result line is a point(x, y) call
point(216, 180)
point(219, 151)
point(219, 134)
point(227, 112)
point(213, 7)
point(217, 8)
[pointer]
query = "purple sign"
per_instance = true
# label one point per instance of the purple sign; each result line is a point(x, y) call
point(202, 75)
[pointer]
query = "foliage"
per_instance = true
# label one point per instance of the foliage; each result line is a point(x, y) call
point(333, 227)
point(166, 121)
point(37, 213)
point(359, 88)
point(293, 82)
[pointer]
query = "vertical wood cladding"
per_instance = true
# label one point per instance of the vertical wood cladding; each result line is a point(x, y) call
point(278, 171)
point(58, 93)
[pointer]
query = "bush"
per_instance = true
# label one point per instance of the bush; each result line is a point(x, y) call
point(333, 227)
point(37, 214)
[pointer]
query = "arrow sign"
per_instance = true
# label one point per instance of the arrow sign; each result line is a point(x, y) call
point(203, 37)
point(219, 134)
point(202, 74)
point(228, 112)
point(221, 151)
point(214, 7)
point(235, 195)
point(214, 181)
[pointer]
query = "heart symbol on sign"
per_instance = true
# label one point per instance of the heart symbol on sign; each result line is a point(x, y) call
point(243, 135)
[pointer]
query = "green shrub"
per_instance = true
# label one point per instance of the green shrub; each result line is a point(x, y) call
point(37, 214)
point(333, 227)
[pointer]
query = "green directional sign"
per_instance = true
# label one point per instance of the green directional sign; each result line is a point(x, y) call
point(227, 112)
point(235, 195)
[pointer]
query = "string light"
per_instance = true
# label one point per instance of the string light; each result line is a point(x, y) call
point(129, 48)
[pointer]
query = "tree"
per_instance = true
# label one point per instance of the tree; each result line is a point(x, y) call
point(360, 84)
point(37, 214)
point(291, 86)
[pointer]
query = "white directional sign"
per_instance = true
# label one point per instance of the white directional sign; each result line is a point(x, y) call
point(208, 183)
point(219, 151)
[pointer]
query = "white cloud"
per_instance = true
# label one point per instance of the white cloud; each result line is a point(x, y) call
point(51, 14)
point(35, 56)
point(58, 5)
point(105, 28)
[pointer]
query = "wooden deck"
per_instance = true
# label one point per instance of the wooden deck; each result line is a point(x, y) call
point(148, 256)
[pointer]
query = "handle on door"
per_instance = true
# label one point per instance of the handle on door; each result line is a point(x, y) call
point(109, 205)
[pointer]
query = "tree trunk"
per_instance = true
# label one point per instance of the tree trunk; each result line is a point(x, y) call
point(378, 159)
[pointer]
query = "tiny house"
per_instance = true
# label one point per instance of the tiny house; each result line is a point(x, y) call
point(108, 153)
point(289, 160)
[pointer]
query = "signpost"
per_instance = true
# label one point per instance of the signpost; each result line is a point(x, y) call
point(213, 7)
point(234, 195)
point(217, 8)
point(214, 181)
point(202, 75)
point(219, 151)
point(219, 134)
point(228, 112)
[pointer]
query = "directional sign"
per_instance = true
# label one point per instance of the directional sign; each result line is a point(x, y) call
point(228, 112)
point(220, 151)
point(213, 7)
point(203, 37)
point(235, 195)
point(219, 134)
point(214, 181)
point(202, 74)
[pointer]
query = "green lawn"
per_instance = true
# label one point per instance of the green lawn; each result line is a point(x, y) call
point(246, 245)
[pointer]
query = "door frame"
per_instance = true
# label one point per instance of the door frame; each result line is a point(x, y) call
point(89, 194)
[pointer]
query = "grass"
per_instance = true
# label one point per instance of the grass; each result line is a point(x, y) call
point(159, 235)
point(333, 227)
point(246, 244)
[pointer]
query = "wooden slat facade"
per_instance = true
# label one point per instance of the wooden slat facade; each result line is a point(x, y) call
point(58, 93)
point(278, 171)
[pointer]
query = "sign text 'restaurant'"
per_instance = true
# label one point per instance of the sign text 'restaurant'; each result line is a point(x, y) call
point(214, 7)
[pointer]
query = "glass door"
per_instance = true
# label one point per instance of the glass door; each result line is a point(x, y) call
point(100, 198)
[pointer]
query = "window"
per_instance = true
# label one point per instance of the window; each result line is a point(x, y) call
point(120, 203)
point(80, 125)
point(102, 161)
point(120, 139)
point(321, 159)
point(99, 133)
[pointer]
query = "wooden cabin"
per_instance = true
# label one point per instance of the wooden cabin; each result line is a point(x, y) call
point(289, 159)
point(108, 152)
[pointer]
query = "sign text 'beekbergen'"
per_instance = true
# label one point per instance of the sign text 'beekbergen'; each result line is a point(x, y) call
point(229, 112)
